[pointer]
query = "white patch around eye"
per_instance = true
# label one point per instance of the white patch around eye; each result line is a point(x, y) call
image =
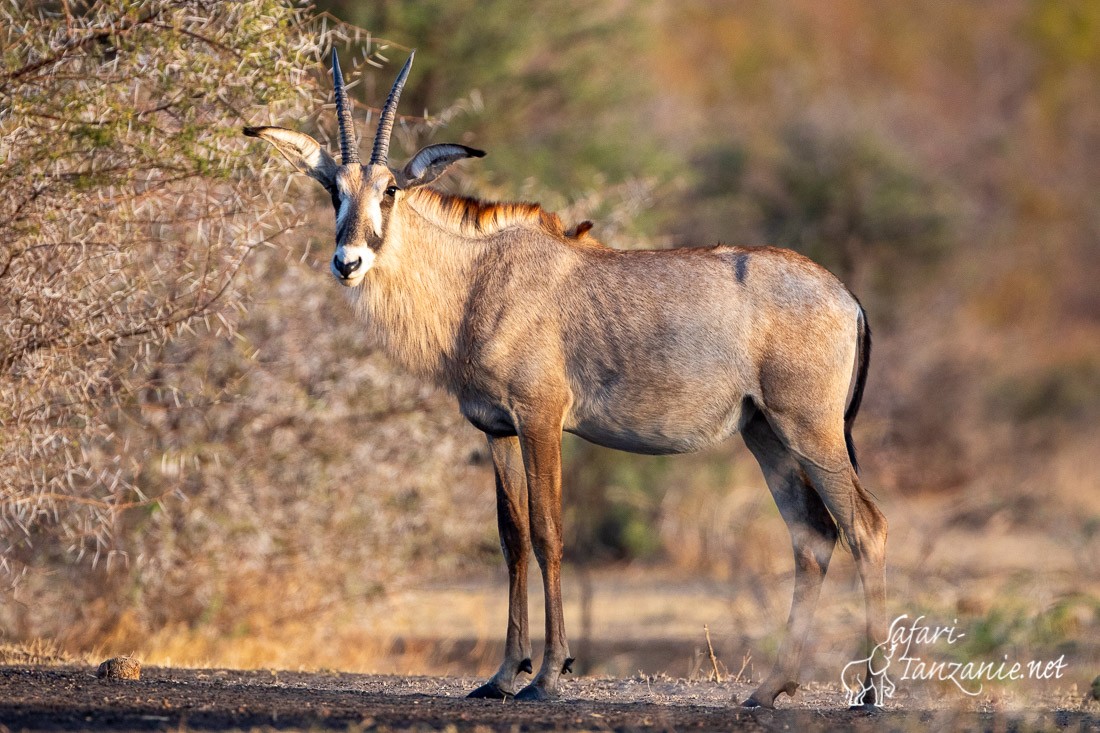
point(374, 215)
point(342, 214)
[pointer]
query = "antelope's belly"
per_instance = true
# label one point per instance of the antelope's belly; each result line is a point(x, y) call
point(679, 428)
point(640, 425)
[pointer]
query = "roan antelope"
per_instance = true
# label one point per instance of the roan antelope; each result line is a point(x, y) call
point(537, 330)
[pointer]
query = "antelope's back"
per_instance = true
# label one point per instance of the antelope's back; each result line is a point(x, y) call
point(662, 349)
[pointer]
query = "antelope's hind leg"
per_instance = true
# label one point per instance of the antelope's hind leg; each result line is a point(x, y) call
point(515, 542)
point(813, 536)
point(864, 529)
point(824, 459)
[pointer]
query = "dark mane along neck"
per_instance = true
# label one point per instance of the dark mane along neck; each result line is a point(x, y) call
point(472, 217)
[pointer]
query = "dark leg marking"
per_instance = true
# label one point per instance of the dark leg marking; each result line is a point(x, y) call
point(525, 666)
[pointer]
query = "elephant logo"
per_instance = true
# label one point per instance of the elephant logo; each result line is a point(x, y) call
point(866, 680)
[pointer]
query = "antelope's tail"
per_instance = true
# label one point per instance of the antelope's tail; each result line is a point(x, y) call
point(863, 362)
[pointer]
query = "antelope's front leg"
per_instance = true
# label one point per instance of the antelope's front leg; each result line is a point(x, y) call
point(515, 542)
point(542, 460)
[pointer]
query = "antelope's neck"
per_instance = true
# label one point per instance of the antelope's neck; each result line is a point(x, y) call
point(414, 297)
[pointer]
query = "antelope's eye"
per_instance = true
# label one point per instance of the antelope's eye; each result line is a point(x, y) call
point(391, 191)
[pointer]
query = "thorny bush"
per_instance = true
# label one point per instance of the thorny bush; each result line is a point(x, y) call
point(129, 207)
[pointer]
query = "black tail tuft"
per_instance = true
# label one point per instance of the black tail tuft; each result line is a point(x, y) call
point(863, 357)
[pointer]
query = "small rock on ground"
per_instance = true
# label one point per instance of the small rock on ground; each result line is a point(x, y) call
point(119, 668)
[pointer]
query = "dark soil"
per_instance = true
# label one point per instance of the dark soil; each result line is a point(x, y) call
point(71, 698)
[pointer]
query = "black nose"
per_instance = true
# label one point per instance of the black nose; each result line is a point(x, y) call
point(346, 268)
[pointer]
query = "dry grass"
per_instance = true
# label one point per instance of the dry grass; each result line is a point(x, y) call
point(39, 652)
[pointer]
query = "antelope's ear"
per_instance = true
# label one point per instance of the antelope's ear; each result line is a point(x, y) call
point(430, 163)
point(302, 151)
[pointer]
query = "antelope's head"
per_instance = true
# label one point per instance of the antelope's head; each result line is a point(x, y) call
point(364, 196)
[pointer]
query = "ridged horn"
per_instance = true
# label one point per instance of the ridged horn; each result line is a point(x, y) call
point(349, 152)
point(381, 153)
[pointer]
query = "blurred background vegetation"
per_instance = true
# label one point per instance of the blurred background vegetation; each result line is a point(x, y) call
point(942, 158)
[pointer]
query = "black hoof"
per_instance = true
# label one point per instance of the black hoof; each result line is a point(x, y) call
point(867, 707)
point(533, 693)
point(525, 666)
point(567, 667)
point(490, 691)
point(753, 704)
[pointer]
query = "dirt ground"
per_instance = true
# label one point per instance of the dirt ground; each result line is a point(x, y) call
point(71, 698)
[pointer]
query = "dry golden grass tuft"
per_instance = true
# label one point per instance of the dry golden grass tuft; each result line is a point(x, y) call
point(38, 651)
